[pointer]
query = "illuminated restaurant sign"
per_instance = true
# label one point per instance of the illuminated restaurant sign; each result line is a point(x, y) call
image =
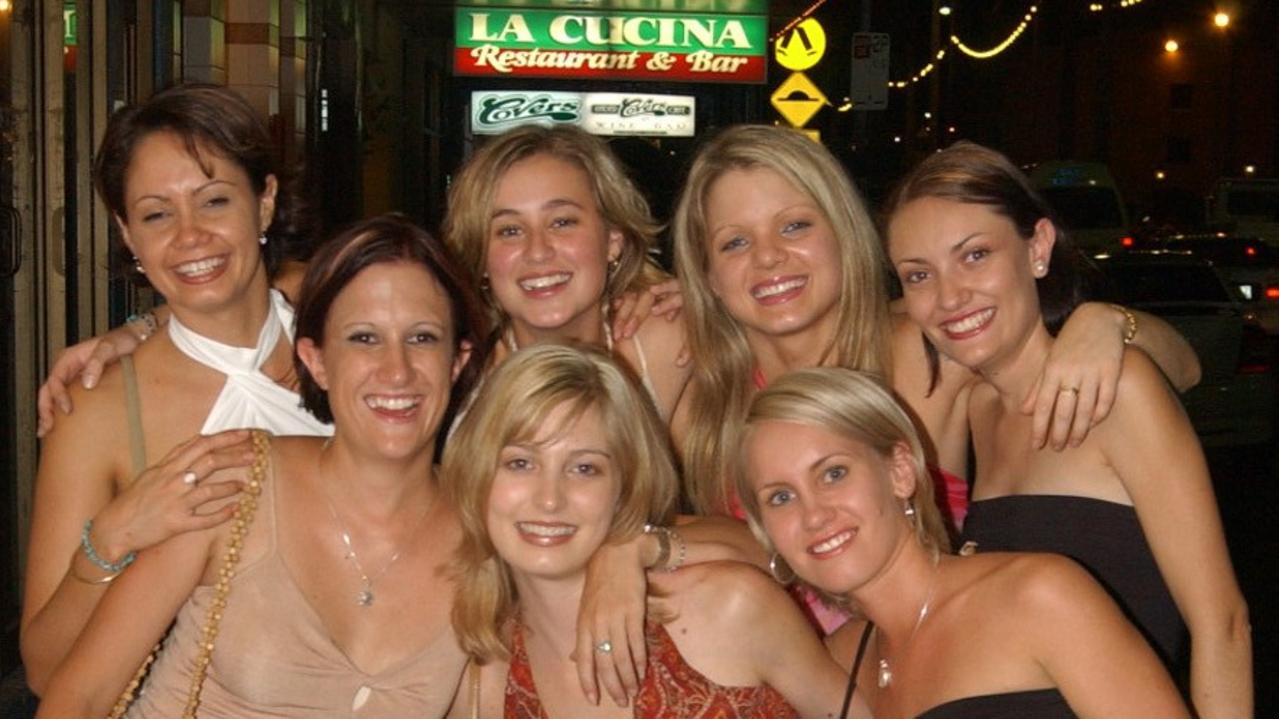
point(611, 45)
point(599, 113)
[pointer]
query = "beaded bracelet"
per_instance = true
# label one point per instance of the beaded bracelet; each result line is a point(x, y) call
point(110, 567)
point(663, 535)
point(677, 560)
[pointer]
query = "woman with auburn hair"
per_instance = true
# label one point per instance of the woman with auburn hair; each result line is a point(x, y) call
point(560, 453)
point(328, 595)
point(984, 270)
point(831, 475)
point(551, 222)
point(190, 182)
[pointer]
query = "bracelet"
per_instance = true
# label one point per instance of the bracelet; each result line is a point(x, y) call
point(663, 535)
point(85, 580)
point(149, 324)
point(678, 560)
point(99, 562)
point(1130, 323)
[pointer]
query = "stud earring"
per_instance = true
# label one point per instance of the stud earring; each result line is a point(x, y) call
point(137, 265)
point(1040, 269)
point(909, 511)
point(262, 239)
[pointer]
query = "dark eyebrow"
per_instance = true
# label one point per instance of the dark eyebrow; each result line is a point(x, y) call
point(954, 248)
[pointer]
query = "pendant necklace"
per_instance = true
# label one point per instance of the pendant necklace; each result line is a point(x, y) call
point(885, 670)
point(365, 597)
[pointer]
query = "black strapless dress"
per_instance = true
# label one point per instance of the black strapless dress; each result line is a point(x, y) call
point(1105, 538)
point(1034, 704)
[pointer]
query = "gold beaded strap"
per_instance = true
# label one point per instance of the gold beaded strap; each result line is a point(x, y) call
point(243, 517)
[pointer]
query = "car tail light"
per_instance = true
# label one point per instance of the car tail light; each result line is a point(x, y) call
point(1257, 351)
point(1127, 242)
point(1272, 292)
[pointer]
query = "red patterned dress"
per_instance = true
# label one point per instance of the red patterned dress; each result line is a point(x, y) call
point(671, 688)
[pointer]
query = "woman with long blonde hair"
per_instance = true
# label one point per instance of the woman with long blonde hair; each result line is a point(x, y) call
point(561, 453)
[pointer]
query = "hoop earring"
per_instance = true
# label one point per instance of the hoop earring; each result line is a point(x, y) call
point(613, 264)
point(909, 510)
point(484, 282)
point(776, 565)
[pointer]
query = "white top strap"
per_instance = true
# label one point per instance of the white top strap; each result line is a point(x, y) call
point(250, 399)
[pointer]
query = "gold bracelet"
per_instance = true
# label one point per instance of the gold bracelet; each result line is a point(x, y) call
point(1130, 323)
point(85, 580)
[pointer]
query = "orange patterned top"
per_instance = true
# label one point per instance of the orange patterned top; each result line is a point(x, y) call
point(671, 688)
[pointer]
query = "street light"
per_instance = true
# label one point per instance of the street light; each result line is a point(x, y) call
point(943, 10)
point(1159, 175)
point(1171, 46)
point(1221, 19)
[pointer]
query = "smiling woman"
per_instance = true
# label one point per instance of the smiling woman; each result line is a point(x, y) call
point(188, 177)
point(560, 454)
point(326, 596)
point(551, 222)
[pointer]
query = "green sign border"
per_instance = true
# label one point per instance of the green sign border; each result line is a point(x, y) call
point(755, 28)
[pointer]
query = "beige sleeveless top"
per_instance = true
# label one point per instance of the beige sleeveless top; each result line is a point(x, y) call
point(274, 658)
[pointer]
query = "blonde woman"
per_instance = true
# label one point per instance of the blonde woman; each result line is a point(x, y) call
point(560, 453)
point(551, 222)
point(984, 267)
point(832, 475)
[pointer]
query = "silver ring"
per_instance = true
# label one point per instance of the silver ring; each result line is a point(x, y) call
point(189, 477)
point(604, 647)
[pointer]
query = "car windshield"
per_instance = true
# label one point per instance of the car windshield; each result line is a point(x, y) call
point(1084, 208)
point(1138, 284)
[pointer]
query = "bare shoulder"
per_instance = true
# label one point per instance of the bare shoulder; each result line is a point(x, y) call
point(1036, 585)
point(97, 430)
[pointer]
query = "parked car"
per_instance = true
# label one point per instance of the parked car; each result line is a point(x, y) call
point(1234, 402)
point(1247, 206)
point(1087, 202)
point(1249, 266)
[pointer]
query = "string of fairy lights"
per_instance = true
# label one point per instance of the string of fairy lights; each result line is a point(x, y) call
point(994, 50)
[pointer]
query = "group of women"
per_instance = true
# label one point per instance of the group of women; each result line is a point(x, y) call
point(292, 526)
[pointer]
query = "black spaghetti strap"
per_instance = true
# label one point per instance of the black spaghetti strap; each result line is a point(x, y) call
point(857, 666)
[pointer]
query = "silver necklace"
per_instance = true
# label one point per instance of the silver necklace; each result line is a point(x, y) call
point(885, 670)
point(364, 597)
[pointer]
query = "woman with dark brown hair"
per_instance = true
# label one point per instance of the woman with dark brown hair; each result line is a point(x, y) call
point(327, 595)
point(985, 270)
point(189, 179)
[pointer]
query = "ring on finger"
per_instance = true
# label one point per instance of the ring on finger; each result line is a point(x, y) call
point(604, 647)
point(189, 477)
point(1072, 390)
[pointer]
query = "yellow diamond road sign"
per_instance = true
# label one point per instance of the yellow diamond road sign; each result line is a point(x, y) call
point(800, 47)
point(797, 99)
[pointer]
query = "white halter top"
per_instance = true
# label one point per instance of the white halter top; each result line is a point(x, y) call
point(250, 399)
